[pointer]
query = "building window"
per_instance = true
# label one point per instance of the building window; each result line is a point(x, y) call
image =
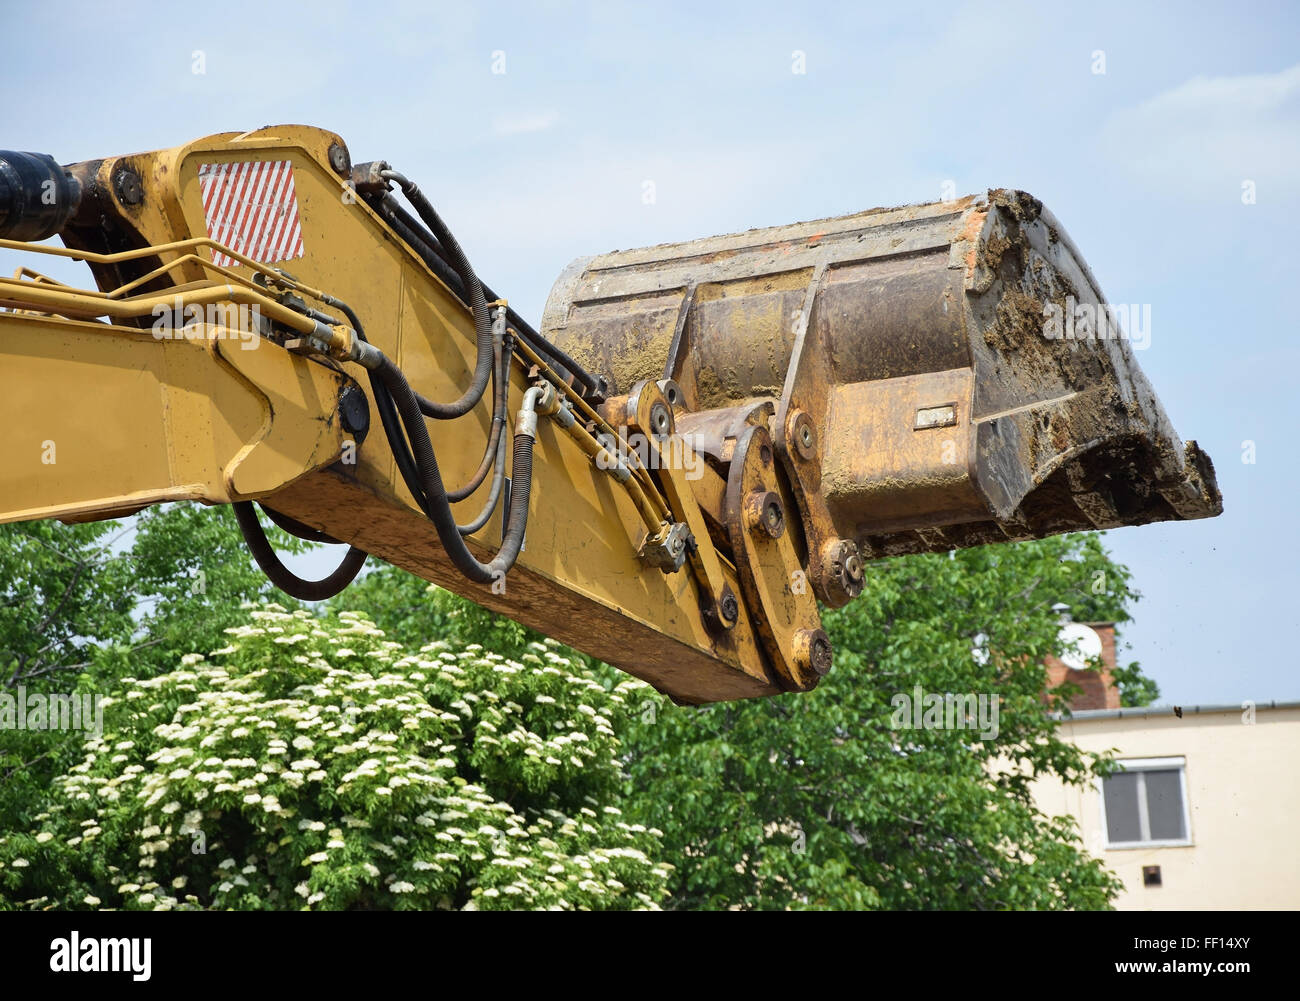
point(1145, 804)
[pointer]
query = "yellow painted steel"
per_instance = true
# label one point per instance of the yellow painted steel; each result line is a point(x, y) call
point(138, 420)
point(810, 444)
point(108, 419)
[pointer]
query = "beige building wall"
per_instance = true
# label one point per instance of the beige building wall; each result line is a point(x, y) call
point(1242, 785)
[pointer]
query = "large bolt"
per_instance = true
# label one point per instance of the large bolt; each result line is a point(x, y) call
point(723, 615)
point(126, 182)
point(765, 513)
point(812, 655)
point(803, 435)
point(842, 572)
point(821, 654)
point(661, 420)
point(340, 160)
point(672, 392)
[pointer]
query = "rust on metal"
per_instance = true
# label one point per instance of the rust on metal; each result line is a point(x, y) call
point(784, 611)
point(920, 400)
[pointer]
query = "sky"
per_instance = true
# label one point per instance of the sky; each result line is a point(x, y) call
point(1143, 128)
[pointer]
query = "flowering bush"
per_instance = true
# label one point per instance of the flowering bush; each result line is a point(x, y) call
point(313, 764)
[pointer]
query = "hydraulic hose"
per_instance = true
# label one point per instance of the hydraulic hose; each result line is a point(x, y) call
point(433, 495)
point(387, 410)
point(426, 248)
point(494, 493)
point(477, 301)
point(280, 575)
point(392, 428)
point(296, 528)
point(400, 409)
point(500, 394)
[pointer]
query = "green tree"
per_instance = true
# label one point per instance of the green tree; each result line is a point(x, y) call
point(821, 800)
point(64, 597)
point(1108, 597)
point(312, 763)
point(63, 594)
point(191, 575)
point(412, 611)
point(85, 604)
point(1135, 688)
point(798, 801)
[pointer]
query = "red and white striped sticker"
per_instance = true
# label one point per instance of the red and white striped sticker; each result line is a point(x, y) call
point(252, 208)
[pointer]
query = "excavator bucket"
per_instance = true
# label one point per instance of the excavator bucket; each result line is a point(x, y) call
point(948, 374)
point(721, 421)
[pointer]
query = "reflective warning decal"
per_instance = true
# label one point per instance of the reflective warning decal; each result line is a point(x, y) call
point(252, 208)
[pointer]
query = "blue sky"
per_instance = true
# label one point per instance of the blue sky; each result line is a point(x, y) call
point(1144, 164)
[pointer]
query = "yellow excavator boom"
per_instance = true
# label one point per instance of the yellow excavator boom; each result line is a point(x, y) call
point(702, 441)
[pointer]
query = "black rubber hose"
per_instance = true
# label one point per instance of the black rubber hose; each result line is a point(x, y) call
point(434, 498)
point(388, 416)
point(521, 482)
point(427, 250)
point(399, 408)
point(418, 239)
point(494, 493)
point(387, 412)
point(477, 304)
point(280, 575)
point(296, 528)
point(500, 398)
point(402, 453)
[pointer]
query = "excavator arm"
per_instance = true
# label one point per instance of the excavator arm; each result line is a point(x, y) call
point(703, 440)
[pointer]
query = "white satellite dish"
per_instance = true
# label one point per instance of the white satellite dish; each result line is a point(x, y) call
point(1084, 645)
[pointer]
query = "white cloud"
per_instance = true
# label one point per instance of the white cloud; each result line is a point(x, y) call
point(1224, 98)
point(1207, 136)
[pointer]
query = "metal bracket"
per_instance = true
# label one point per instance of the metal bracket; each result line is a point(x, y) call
point(834, 566)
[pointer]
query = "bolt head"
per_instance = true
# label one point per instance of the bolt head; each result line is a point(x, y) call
point(841, 572)
point(821, 655)
point(811, 656)
point(803, 435)
point(128, 186)
point(765, 513)
point(339, 159)
point(661, 422)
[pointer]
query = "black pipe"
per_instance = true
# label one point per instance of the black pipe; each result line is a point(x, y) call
point(435, 502)
point(399, 409)
point(402, 454)
point(477, 302)
point(37, 196)
point(500, 399)
point(297, 528)
point(284, 578)
point(387, 411)
point(427, 250)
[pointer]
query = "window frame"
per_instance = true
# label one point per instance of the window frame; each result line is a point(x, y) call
point(1139, 766)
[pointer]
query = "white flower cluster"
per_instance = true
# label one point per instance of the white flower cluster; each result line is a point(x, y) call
point(347, 772)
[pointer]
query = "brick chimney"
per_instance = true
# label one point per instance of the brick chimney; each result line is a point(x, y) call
point(1097, 688)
